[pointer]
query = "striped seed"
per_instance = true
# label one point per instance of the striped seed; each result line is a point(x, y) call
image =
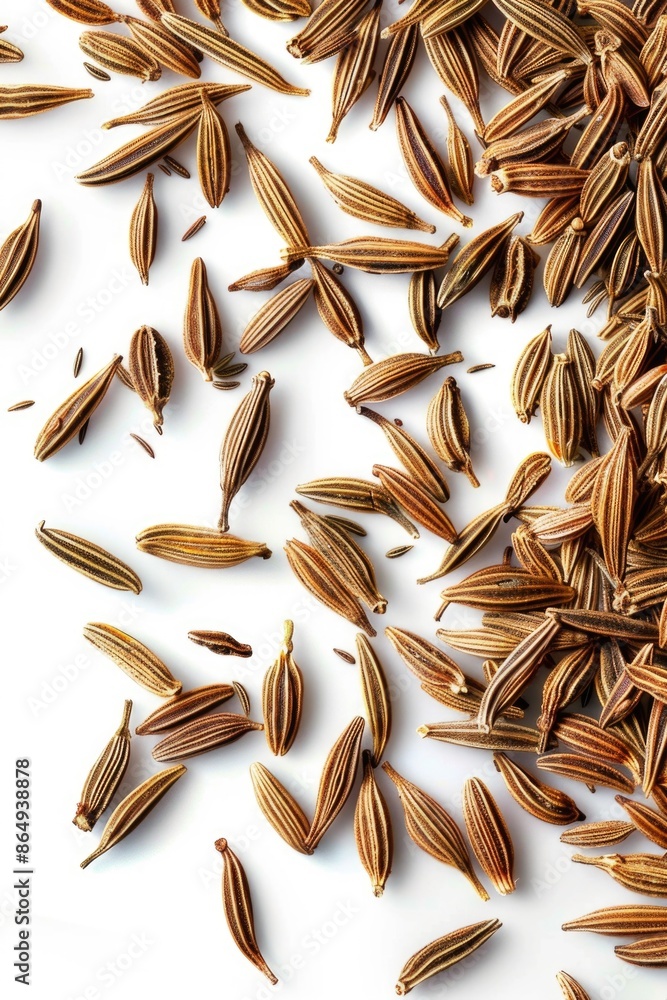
point(652, 824)
point(512, 279)
point(449, 431)
point(489, 835)
point(378, 254)
point(362, 201)
point(84, 11)
point(506, 736)
point(89, 559)
point(134, 808)
point(314, 572)
point(229, 53)
point(376, 697)
point(561, 410)
point(529, 375)
point(542, 801)
point(353, 71)
point(184, 706)
point(23, 405)
point(191, 545)
point(633, 918)
point(280, 808)
point(398, 62)
point(423, 163)
point(432, 828)
point(453, 59)
point(605, 833)
point(213, 154)
point(394, 375)
point(590, 771)
point(644, 873)
point(161, 44)
point(17, 255)
point(282, 698)
point(503, 586)
point(237, 905)
point(23, 100)
point(346, 558)
point(329, 18)
point(202, 330)
point(651, 951)
point(139, 153)
point(418, 502)
point(356, 494)
point(276, 313)
point(244, 442)
point(202, 735)
point(338, 776)
point(570, 988)
point(105, 775)
point(444, 952)
point(143, 231)
point(138, 662)
point(119, 54)
point(273, 194)
point(177, 101)
point(428, 663)
point(194, 228)
point(459, 158)
point(220, 643)
point(211, 11)
point(337, 309)
point(151, 368)
point(424, 311)
point(372, 829)
point(546, 24)
point(10, 53)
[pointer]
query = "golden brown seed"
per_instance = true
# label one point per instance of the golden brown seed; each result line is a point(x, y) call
point(338, 310)
point(280, 808)
point(202, 735)
point(474, 260)
point(356, 494)
point(398, 62)
point(449, 430)
point(372, 829)
point(633, 918)
point(134, 808)
point(237, 905)
point(542, 801)
point(651, 951)
point(213, 154)
point(176, 101)
point(424, 311)
point(428, 663)
point(23, 405)
point(221, 643)
point(276, 313)
point(282, 698)
point(570, 988)
point(89, 559)
point(211, 11)
point(143, 231)
point(194, 546)
point(151, 368)
point(603, 834)
point(119, 54)
point(512, 279)
point(229, 53)
point(445, 951)
point(184, 706)
point(353, 72)
point(273, 194)
point(423, 163)
point(376, 697)
point(489, 835)
point(368, 203)
point(23, 100)
point(244, 442)
point(453, 59)
point(161, 44)
point(105, 775)
point(338, 775)
point(561, 410)
point(17, 255)
point(84, 11)
point(529, 375)
point(315, 573)
point(138, 662)
point(418, 502)
point(329, 18)
point(588, 770)
point(644, 873)
point(395, 375)
point(202, 330)
point(432, 828)
point(503, 736)
point(194, 228)
point(415, 460)
point(378, 254)
point(139, 153)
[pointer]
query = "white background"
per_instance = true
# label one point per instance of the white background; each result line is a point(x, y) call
point(146, 919)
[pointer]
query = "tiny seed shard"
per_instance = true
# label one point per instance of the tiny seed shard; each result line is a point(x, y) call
point(443, 952)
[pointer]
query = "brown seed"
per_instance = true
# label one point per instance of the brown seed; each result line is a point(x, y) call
point(194, 546)
point(161, 44)
point(213, 154)
point(221, 643)
point(444, 952)
point(644, 873)
point(202, 735)
point(315, 573)
point(418, 502)
point(561, 410)
point(17, 255)
point(424, 312)
point(119, 54)
point(489, 835)
point(23, 100)
point(429, 664)
point(356, 494)
point(89, 559)
point(453, 59)
point(280, 808)
point(474, 260)
point(413, 457)
point(398, 62)
point(338, 775)
point(277, 313)
point(503, 736)
point(378, 254)
point(337, 309)
point(151, 368)
point(372, 829)
point(138, 662)
point(649, 822)
point(570, 988)
point(184, 706)
point(134, 808)
point(282, 698)
point(633, 918)
point(449, 430)
point(651, 951)
point(229, 53)
point(329, 18)
point(23, 405)
point(432, 828)
point(244, 442)
point(529, 375)
point(237, 905)
point(588, 770)
point(143, 231)
point(194, 228)
point(542, 801)
point(376, 697)
point(174, 102)
point(105, 775)
point(423, 163)
point(353, 71)
point(512, 280)
point(603, 834)
point(202, 330)
point(395, 375)
point(397, 551)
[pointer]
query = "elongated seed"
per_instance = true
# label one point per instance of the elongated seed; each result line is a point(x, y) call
point(237, 905)
point(105, 775)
